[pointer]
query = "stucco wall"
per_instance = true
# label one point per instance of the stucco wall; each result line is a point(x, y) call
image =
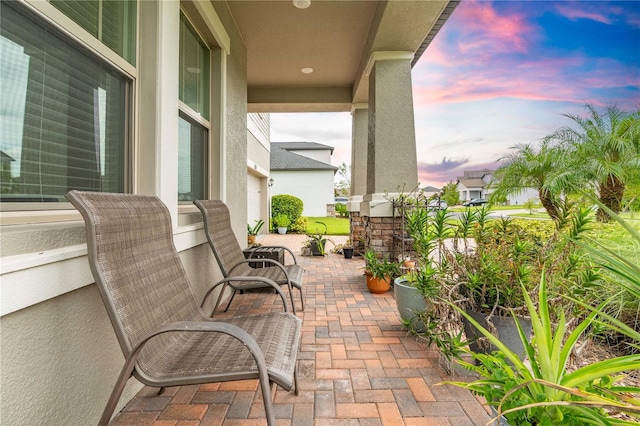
point(313, 187)
point(60, 357)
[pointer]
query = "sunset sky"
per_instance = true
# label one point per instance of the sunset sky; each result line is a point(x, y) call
point(501, 73)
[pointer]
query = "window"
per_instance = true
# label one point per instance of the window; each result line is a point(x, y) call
point(192, 151)
point(113, 22)
point(193, 133)
point(63, 115)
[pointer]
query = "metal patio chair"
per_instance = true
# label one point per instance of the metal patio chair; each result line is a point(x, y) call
point(225, 247)
point(166, 338)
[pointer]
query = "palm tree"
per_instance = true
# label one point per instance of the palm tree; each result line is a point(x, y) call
point(528, 167)
point(603, 149)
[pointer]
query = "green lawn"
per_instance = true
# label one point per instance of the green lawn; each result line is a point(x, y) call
point(335, 226)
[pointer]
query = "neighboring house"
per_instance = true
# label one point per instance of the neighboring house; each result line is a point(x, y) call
point(480, 184)
point(430, 191)
point(474, 184)
point(258, 147)
point(304, 169)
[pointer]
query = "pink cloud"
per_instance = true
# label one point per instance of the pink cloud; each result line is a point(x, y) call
point(574, 12)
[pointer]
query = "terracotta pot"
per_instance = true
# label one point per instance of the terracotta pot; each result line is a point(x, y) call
point(251, 239)
point(377, 285)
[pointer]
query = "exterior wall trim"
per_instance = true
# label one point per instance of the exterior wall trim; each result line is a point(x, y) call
point(66, 269)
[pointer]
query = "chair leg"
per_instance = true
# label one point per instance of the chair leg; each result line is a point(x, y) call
point(265, 385)
point(230, 300)
point(301, 299)
point(118, 388)
point(295, 380)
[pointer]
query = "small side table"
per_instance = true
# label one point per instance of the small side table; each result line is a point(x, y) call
point(274, 253)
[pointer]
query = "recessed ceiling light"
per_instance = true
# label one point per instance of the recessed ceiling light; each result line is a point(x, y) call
point(307, 70)
point(302, 4)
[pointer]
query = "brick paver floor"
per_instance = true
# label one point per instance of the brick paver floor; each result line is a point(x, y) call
point(356, 365)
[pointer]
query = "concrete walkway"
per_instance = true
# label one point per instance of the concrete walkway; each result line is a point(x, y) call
point(357, 365)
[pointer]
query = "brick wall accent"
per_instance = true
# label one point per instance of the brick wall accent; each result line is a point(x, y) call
point(379, 234)
point(356, 232)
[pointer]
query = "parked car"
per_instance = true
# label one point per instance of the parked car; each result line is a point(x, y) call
point(435, 205)
point(341, 200)
point(475, 202)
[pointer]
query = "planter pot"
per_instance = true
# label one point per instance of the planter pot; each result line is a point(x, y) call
point(282, 230)
point(317, 247)
point(409, 300)
point(501, 421)
point(251, 239)
point(507, 333)
point(347, 252)
point(377, 285)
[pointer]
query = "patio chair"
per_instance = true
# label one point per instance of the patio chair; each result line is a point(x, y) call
point(166, 338)
point(225, 247)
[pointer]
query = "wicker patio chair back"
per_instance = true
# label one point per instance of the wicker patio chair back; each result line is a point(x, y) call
point(137, 269)
point(217, 223)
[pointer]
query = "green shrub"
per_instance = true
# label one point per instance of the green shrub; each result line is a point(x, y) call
point(341, 209)
point(287, 205)
point(300, 225)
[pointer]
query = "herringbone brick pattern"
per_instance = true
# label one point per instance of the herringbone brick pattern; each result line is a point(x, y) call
point(357, 365)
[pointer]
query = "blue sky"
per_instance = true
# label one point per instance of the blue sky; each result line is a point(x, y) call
point(501, 73)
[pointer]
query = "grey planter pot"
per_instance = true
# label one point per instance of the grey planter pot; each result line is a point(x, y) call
point(282, 230)
point(409, 301)
point(507, 333)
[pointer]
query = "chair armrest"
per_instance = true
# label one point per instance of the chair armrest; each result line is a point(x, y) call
point(231, 279)
point(293, 256)
point(271, 261)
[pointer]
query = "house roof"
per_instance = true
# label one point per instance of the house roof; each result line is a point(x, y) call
point(430, 189)
point(282, 159)
point(302, 146)
point(472, 183)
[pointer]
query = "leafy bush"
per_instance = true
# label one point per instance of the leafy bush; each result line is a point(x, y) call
point(341, 209)
point(288, 205)
point(300, 225)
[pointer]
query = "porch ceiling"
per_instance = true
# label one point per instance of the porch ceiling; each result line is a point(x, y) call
point(335, 38)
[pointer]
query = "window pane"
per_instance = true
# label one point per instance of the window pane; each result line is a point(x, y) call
point(113, 22)
point(194, 69)
point(192, 160)
point(62, 116)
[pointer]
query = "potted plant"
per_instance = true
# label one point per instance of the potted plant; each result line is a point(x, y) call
point(282, 221)
point(545, 389)
point(413, 292)
point(317, 241)
point(252, 231)
point(347, 249)
point(542, 391)
point(379, 273)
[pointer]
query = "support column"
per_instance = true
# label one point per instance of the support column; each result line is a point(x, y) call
point(359, 141)
point(392, 165)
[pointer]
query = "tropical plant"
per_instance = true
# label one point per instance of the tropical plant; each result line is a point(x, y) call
point(603, 148)
point(380, 268)
point(528, 167)
point(255, 229)
point(318, 239)
point(545, 392)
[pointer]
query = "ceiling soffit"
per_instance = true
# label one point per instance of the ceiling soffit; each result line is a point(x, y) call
point(335, 38)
